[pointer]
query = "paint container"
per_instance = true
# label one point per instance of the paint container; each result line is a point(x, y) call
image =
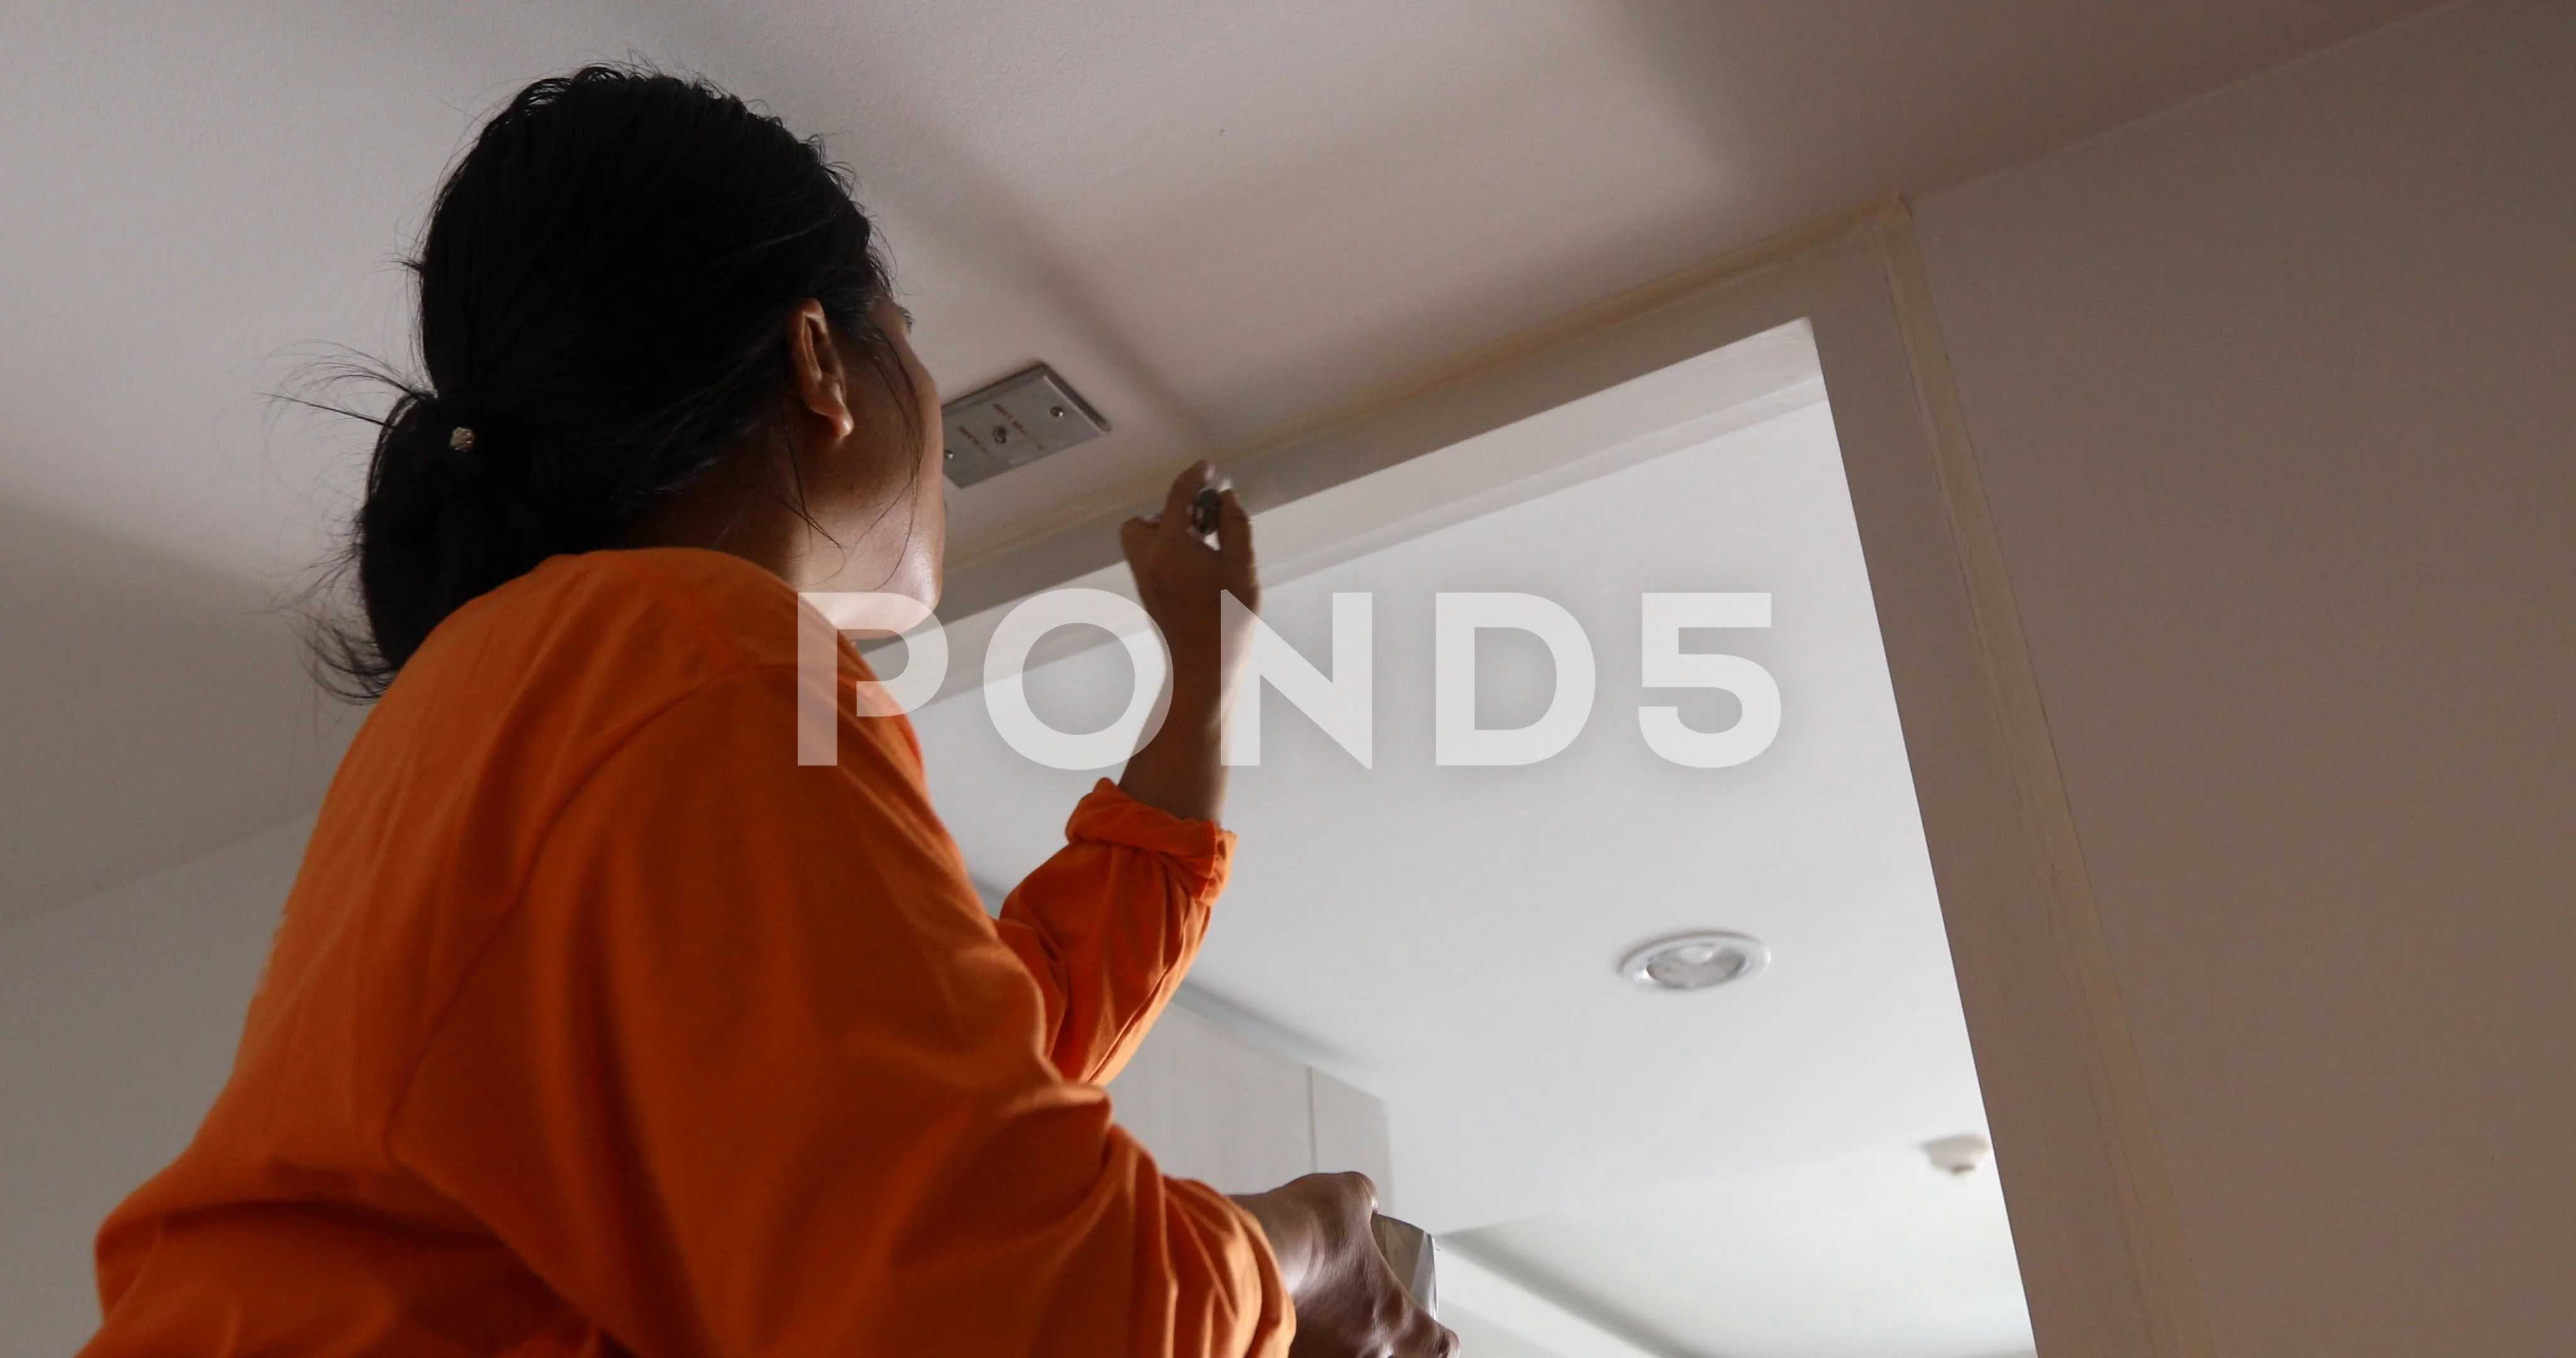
point(1408, 1251)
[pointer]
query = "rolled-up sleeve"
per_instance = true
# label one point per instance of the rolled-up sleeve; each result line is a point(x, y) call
point(748, 1070)
point(1109, 924)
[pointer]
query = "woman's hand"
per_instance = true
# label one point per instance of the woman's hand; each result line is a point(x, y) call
point(1179, 577)
point(1349, 1303)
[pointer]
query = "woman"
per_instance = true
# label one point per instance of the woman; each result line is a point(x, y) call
point(596, 1023)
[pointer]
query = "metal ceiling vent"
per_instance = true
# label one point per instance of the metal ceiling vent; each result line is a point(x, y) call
point(1015, 422)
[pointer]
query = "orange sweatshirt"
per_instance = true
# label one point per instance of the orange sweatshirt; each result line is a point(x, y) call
point(598, 1025)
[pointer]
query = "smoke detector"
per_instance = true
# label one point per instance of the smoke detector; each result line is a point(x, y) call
point(1695, 961)
point(1959, 1156)
point(1014, 422)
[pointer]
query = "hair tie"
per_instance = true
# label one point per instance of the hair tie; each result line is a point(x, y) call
point(458, 456)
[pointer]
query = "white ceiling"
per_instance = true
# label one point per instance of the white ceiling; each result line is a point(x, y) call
point(1871, 1254)
point(1482, 1338)
point(1221, 221)
point(1445, 937)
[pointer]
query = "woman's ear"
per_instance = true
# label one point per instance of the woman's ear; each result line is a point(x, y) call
point(821, 378)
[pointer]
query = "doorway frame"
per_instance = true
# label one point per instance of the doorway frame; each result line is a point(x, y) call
point(2103, 1261)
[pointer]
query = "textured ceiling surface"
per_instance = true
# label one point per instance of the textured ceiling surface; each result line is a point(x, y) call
point(1219, 221)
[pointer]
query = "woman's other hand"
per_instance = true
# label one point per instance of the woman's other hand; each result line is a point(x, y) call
point(1349, 1303)
point(1180, 577)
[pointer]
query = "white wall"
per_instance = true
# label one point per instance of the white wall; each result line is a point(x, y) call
point(2275, 395)
point(1215, 1106)
point(118, 1018)
point(156, 712)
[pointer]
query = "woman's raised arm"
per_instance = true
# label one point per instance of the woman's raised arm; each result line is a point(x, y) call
point(1108, 926)
point(1179, 577)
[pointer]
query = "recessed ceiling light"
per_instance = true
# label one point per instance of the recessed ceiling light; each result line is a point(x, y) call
point(1695, 961)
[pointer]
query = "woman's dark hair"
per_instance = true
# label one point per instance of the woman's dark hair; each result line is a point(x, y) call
point(605, 286)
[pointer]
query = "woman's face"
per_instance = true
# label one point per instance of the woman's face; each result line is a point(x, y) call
point(926, 554)
point(877, 492)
